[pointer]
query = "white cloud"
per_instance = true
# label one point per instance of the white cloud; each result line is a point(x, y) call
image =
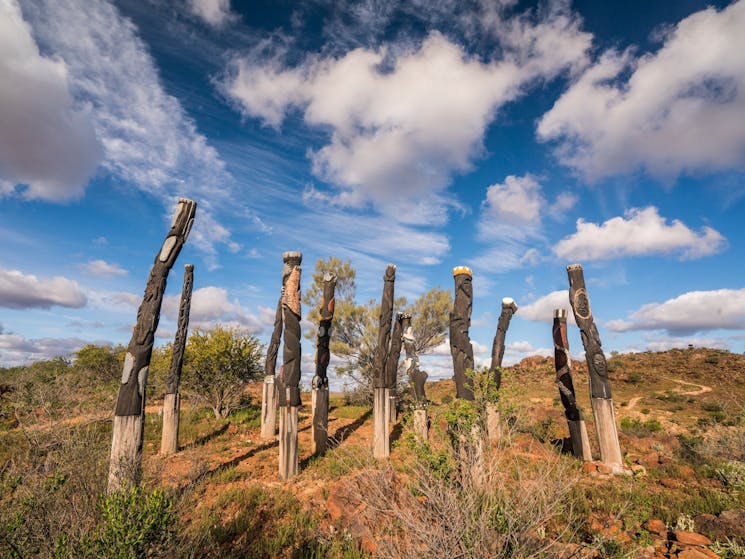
point(47, 141)
point(103, 269)
point(518, 200)
point(679, 110)
point(515, 352)
point(211, 304)
point(148, 139)
point(402, 119)
point(695, 311)
point(215, 12)
point(26, 291)
point(665, 343)
point(542, 309)
point(17, 350)
point(640, 232)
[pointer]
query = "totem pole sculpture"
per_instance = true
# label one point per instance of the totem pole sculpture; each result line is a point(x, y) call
point(417, 378)
point(289, 376)
point(493, 424)
point(381, 393)
point(269, 389)
point(172, 398)
point(460, 322)
point(320, 396)
point(391, 365)
point(600, 394)
point(562, 362)
point(129, 417)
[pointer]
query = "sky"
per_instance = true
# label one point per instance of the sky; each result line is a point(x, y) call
point(515, 138)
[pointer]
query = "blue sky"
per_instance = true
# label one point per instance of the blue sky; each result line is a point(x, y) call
point(515, 138)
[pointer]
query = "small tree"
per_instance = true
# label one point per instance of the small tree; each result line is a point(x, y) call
point(104, 362)
point(217, 365)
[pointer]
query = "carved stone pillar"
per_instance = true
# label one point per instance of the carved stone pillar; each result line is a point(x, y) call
point(129, 416)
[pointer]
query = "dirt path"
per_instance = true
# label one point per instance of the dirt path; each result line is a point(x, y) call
point(633, 402)
point(702, 388)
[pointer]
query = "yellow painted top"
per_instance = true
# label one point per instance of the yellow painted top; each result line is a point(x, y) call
point(458, 270)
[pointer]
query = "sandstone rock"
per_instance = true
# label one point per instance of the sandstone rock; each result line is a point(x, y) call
point(729, 524)
point(688, 538)
point(655, 525)
point(695, 553)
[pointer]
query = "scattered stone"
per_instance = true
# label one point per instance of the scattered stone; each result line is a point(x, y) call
point(729, 524)
point(689, 538)
point(655, 525)
point(696, 553)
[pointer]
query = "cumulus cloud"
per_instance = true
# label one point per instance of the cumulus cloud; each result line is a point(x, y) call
point(26, 291)
point(515, 352)
point(18, 350)
point(695, 311)
point(47, 141)
point(103, 269)
point(670, 112)
point(640, 232)
point(516, 200)
point(214, 12)
point(211, 304)
point(402, 118)
point(147, 138)
point(542, 309)
point(665, 343)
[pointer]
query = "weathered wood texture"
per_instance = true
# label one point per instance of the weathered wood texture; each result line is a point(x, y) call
point(417, 377)
point(289, 377)
point(320, 384)
point(172, 399)
point(381, 404)
point(384, 328)
point(129, 415)
point(562, 363)
point(269, 394)
point(391, 365)
point(600, 393)
point(421, 425)
point(509, 308)
point(460, 322)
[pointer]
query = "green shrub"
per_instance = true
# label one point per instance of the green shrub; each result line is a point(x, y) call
point(640, 428)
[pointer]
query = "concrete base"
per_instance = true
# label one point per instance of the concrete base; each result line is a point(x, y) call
point(320, 422)
point(268, 409)
point(126, 452)
point(421, 425)
point(580, 440)
point(493, 423)
point(171, 409)
point(381, 447)
point(605, 424)
point(288, 461)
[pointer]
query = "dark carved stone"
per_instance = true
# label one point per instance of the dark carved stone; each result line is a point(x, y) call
point(270, 365)
point(562, 363)
point(131, 397)
point(497, 349)
point(384, 328)
point(391, 364)
point(596, 364)
point(460, 322)
point(416, 376)
point(179, 343)
point(323, 355)
point(289, 376)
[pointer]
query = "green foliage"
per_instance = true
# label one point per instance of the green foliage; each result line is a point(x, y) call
point(217, 365)
point(134, 523)
point(732, 474)
point(634, 377)
point(640, 428)
point(103, 362)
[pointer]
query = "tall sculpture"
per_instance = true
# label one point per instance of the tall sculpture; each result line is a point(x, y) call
point(381, 393)
point(289, 376)
point(493, 423)
point(460, 322)
point(600, 394)
point(269, 389)
point(391, 365)
point(562, 362)
point(172, 398)
point(129, 416)
point(417, 378)
point(320, 395)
